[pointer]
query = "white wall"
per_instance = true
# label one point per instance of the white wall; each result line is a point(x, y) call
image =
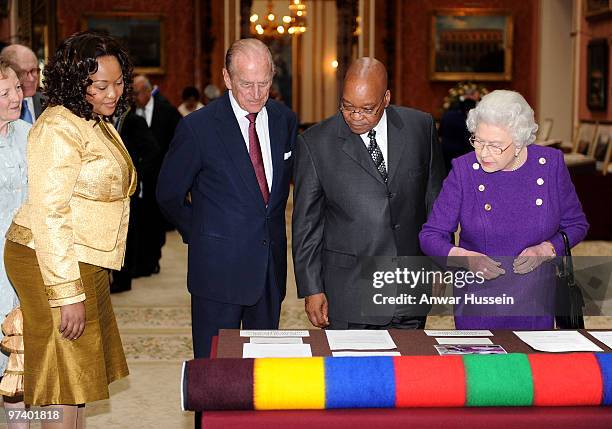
point(555, 88)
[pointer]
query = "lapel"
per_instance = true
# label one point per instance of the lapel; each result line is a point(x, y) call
point(37, 105)
point(277, 148)
point(234, 144)
point(155, 116)
point(115, 145)
point(396, 143)
point(355, 148)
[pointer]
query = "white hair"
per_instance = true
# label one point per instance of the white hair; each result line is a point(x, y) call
point(507, 110)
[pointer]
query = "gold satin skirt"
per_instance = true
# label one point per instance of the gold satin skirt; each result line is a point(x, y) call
point(57, 370)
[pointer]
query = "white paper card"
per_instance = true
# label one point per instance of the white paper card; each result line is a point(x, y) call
point(355, 339)
point(603, 336)
point(357, 354)
point(276, 340)
point(458, 333)
point(273, 333)
point(460, 340)
point(557, 341)
point(250, 350)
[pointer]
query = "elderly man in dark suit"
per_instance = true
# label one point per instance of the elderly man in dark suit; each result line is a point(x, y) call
point(162, 119)
point(25, 63)
point(365, 181)
point(234, 158)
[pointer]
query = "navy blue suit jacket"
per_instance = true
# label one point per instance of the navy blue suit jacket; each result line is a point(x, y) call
point(230, 232)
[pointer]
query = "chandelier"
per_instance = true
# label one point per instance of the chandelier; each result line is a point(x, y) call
point(293, 24)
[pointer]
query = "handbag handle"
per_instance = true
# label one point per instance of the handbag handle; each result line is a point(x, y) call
point(568, 266)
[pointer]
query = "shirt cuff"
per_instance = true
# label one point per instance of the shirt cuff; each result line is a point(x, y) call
point(65, 293)
point(66, 301)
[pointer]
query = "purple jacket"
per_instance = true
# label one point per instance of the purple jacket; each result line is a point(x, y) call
point(504, 212)
point(501, 214)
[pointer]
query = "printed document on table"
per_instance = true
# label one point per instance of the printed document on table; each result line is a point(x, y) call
point(557, 341)
point(273, 333)
point(603, 336)
point(250, 350)
point(458, 333)
point(361, 354)
point(276, 340)
point(460, 340)
point(354, 339)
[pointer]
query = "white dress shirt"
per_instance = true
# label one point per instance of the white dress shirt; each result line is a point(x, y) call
point(381, 138)
point(147, 111)
point(263, 134)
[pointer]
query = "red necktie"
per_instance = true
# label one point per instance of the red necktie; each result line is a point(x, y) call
point(256, 158)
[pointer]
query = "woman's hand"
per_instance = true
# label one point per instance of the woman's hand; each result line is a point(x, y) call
point(475, 262)
point(532, 257)
point(73, 320)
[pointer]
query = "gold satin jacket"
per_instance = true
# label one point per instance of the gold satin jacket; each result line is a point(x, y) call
point(80, 180)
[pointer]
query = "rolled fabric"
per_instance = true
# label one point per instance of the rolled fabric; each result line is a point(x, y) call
point(567, 379)
point(498, 380)
point(406, 381)
point(218, 384)
point(347, 387)
point(289, 384)
point(429, 381)
point(605, 366)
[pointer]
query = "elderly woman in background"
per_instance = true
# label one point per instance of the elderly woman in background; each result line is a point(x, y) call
point(13, 190)
point(511, 199)
point(72, 229)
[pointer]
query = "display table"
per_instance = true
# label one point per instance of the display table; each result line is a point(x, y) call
point(229, 345)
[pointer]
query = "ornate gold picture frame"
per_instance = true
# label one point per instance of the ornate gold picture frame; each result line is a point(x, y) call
point(471, 44)
point(142, 34)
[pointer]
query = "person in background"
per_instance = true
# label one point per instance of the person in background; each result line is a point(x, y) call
point(72, 229)
point(24, 62)
point(191, 101)
point(13, 192)
point(144, 151)
point(453, 132)
point(211, 92)
point(512, 199)
point(162, 119)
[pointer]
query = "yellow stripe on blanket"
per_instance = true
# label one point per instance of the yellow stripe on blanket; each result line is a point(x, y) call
point(289, 383)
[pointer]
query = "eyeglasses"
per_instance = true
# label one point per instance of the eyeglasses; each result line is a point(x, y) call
point(32, 72)
point(349, 110)
point(481, 144)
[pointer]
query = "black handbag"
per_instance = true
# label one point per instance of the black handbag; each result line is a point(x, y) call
point(569, 301)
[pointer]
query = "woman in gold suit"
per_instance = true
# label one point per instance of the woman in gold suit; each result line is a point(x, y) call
point(72, 228)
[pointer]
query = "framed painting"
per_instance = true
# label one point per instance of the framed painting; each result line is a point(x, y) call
point(471, 44)
point(142, 35)
point(597, 74)
point(597, 8)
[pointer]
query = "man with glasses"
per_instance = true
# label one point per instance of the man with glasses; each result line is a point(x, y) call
point(365, 181)
point(24, 62)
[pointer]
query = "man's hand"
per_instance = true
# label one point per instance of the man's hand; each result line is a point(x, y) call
point(316, 309)
point(475, 262)
point(73, 320)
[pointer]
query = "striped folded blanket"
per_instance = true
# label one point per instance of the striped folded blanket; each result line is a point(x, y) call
point(510, 380)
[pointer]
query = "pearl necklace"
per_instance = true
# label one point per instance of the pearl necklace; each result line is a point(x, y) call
point(518, 161)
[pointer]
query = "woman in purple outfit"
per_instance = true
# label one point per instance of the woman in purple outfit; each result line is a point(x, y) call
point(511, 199)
